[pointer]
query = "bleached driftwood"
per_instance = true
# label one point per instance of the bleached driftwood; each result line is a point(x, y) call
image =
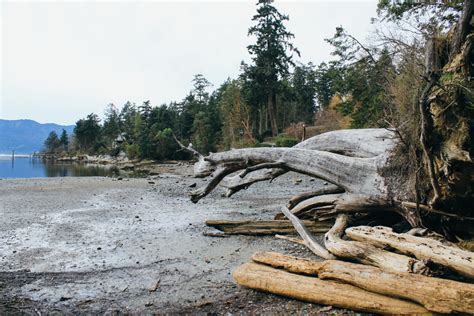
point(326, 292)
point(461, 261)
point(367, 253)
point(272, 227)
point(354, 175)
point(435, 294)
point(359, 178)
point(361, 143)
point(308, 239)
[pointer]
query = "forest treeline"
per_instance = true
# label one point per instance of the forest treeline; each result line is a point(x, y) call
point(365, 85)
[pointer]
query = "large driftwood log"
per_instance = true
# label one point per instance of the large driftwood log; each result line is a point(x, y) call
point(461, 261)
point(354, 175)
point(271, 227)
point(361, 143)
point(367, 253)
point(437, 295)
point(267, 279)
point(359, 178)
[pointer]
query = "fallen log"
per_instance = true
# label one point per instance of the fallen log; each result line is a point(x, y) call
point(435, 294)
point(367, 253)
point(461, 261)
point(270, 227)
point(326, 292)
point(361, 143)
point(288, 263)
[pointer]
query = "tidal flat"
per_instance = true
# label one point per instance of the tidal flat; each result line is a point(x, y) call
point(104, 245)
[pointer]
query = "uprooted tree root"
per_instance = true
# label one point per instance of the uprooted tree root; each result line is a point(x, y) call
point(351, 161)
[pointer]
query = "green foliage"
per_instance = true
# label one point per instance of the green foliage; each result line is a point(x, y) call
point(164, 144)
point(64, 140)
point(285, 141)
point(360, 77)
point(87, 132)
point(236, 115)
point(271, 56)
point(52, 144)
point(111, 125)
point(132, 150)
point(426, 15)
point(327, 79)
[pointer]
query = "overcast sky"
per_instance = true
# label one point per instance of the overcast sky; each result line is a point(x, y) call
point(63, 60)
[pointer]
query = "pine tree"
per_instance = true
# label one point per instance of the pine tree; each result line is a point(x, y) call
point(64, 140)
point(271, 54)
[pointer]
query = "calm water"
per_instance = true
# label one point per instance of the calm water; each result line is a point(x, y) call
point(27, 167)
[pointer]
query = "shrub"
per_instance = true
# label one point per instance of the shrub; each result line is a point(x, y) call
point(285, 141)
point(295, 130)
point(133, 151)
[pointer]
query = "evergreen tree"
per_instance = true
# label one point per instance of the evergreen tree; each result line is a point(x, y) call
point(271, 54)
point(87, 132)
point(64, 140)
point(111, 125)
point(52, 143)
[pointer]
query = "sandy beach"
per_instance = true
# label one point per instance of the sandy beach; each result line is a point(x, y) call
point(100, 245)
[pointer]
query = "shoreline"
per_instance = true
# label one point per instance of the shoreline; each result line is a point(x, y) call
point(97, 245)
point(144, 167)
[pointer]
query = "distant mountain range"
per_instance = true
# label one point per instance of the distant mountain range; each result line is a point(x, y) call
point(26, 136)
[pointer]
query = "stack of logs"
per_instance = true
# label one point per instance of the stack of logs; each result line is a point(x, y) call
point(399, 281)
point(355, 286)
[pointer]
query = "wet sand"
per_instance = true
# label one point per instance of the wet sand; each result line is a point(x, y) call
point(100, 245)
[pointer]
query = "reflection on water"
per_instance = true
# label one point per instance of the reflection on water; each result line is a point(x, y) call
point(31, 167)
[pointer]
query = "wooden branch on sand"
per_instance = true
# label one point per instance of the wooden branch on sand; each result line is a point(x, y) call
point(270, 227)
point(310, 289)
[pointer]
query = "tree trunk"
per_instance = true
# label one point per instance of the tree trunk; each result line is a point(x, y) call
point(437, 295)
point(271, 102)
point(309, 289)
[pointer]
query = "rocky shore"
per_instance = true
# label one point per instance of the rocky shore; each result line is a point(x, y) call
point(136, 166)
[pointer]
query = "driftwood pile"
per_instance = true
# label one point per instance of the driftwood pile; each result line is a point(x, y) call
point(393, 272)
point(355, 286)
